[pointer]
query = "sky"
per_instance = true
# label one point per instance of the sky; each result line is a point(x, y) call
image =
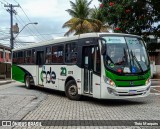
point(50, 15)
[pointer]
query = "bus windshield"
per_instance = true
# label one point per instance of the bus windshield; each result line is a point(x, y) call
point(125, 55)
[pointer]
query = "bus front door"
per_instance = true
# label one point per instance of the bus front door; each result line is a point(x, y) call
point(91, 65)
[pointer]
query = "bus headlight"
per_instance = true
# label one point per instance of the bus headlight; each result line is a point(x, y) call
point(109, 81)
point(148, 81)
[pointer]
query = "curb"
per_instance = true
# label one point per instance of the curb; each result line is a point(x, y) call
point(155, 79)
point(6, 82)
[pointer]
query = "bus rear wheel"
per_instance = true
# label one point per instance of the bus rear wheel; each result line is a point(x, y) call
point(27, 82)
point(72, 90)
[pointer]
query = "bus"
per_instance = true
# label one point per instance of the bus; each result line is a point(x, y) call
point(99, 65)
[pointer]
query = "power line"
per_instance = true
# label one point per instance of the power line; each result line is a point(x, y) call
point(41, 34)
point(41, 39)
point(2, 2)
point(22, 21)
point(29, 28)
point(31, 21)
point(15, 1)
point(4, 28)
point(32, 33)
point(5, 1)
point(3, 32)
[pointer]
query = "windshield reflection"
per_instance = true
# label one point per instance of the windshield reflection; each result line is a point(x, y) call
point(126, 55)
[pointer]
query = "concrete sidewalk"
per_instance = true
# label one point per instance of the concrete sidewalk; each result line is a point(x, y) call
point(155, 79)
point(3, 82)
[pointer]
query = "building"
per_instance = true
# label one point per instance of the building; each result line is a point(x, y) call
point(155, 57)
point(5, 62)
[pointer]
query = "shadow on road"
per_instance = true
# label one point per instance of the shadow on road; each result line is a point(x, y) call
point(102, 102)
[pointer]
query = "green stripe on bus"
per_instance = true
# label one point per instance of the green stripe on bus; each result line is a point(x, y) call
point(17, 73)
point(124, 81)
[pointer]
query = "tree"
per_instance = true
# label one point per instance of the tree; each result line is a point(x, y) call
point(132, 16)
point(81, 21)
point(103, 26)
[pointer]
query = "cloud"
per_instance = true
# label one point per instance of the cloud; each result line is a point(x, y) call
point(46, 8)
point(50, 15)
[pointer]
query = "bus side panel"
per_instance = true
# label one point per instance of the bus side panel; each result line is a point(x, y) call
point(71, 71)
point(96, 86)
point(17, 73)
point(62, 76)
point(47, 76)
point(54, 76)
point(31, 69)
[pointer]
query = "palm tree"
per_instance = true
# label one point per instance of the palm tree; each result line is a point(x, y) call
point(80, 21)
point(102, 26)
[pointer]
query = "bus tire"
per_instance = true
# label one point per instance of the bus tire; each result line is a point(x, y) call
point(27, 82)
point(71, 90)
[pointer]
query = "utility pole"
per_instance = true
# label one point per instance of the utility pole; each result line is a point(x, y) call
point(11, 11)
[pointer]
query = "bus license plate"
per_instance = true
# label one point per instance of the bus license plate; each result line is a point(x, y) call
point(132, 92)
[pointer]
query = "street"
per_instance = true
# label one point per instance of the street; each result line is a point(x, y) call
point(19, 103)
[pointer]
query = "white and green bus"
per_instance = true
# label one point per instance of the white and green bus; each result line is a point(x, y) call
point(99, 65)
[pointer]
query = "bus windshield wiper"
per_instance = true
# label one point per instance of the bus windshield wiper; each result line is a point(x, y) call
point(134, 57)
point(126, 56)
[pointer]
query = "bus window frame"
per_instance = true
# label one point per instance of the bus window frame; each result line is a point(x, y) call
point(56, 46)
point(71, 42)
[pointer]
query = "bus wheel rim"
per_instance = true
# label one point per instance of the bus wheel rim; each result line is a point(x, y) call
point(73, 90)
point(27, 82)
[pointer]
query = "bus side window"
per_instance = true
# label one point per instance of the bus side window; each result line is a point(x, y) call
point(14, 58)
point(57, 54)
point(20, 57)
point(33, 56)
point(60, 54)
point(48, 55)
point(71, 53)
point(27, 55)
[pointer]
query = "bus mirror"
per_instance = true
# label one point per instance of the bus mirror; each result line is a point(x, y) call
point(103, 46)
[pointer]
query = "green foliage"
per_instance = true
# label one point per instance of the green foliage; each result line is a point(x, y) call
point(132, 16)
point(80, 9)
point(139, 17)
point(102, 26)
point(151, 47)
point(82, 20)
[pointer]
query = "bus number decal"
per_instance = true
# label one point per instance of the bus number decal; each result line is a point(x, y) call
point(63, 71)
point(49, 75)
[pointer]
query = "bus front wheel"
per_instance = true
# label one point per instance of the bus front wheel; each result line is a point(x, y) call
point(72, 90)
point(27, 82)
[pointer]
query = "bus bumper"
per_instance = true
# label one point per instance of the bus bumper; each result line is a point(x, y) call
point(109, 92)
